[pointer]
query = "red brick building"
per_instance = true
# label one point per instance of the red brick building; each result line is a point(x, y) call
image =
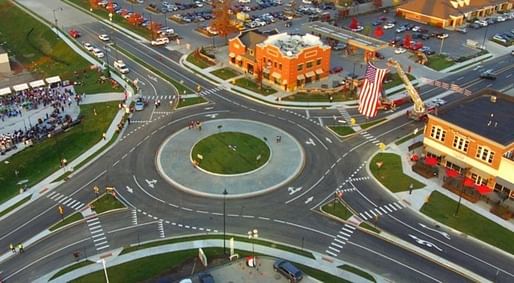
point(283, 60)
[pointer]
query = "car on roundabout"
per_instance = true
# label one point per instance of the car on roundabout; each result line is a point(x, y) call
point(140, 104)
point(400, 50)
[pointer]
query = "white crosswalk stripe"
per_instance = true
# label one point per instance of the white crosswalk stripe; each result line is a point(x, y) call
point(97, 233)
point(392, 207)
point(339, 246)
point(340, 240)
point(160, 227)
point(381, 210)
point(397, 205)
point(334, 249)
point(65, 200)
point(51, 194)
point(59, 197)
point(73, 201)
point(134, 216)
point(331, 253)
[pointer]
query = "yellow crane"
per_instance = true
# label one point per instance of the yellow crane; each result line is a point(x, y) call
point(419, 109)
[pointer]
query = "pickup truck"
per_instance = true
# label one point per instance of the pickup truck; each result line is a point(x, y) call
point(121, 67)
point(160, 41)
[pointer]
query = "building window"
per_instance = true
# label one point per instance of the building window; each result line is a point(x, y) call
point(308, 65)
point(250, 51)
point(438, 133)
point(280, 66)
point(485, 154)
point(461, 143)
point(318, 62)
point(300, 67)
point(478, 179)
point(275, 63)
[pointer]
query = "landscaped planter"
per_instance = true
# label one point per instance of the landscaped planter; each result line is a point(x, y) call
point(458, 191)
point(424, 170)
point(501, 211)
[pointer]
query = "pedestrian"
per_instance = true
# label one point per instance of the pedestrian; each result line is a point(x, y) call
point(13, 248)
point(20, 248)
point(104, 135)
point(411, 186)
point(128, 121)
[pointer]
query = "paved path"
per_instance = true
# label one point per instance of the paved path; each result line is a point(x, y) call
point(174, 161)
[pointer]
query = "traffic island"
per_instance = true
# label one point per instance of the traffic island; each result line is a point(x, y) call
point(254, 86)
point(337, 209)
point(106, 202)
point(190, 101)
point(387, 169)
point(225, 73)
point(342, 131)
point(230, 153)
point(67, 220)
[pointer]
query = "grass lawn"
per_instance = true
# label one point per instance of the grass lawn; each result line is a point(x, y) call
point(231, 153)
point(396, 80)
point(252, 85)
point(12, 207)
point(371, 123)
point(39, 50)
point(106, 202)
point(37, 162)
point(320, 275)
point(67, 220)
point(439, 62)
point(342, 130)
point(358, 271)
point(408, 137)
point(117, 19)
point(225, 73)
point(442, 209)
point(190, 101)
point(198, 61)
point(339, 210)
point(71, 268)
point(308, 97)
point(391, 174)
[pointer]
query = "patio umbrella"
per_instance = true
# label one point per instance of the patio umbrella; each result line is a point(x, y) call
point(354, 24)
point(468, 182)
point(483, 189)
point(452, 173)
point(379, 31)
point(431, 161)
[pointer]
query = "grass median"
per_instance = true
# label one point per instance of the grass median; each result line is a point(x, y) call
point(106, 203)
point(198, 61)
point(190, 101)
point(67, 220)
point(372, 123)
point(358, 271)
point(39, 50)
point(225, 73)
point(312, 97)
point(342, 130)
point(253, 86)
point(42, 159)
point(439, 62)
point(390, 173)
point(339, 210)
point(442, 209)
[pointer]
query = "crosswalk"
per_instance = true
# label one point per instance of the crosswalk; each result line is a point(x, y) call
point(172, 97)
point(209, 91)
point(381, 210)
point(160, 227)
point(369, 137)
point(344, 113)
point(360, 178)
point(97, 233)
point(134, 216)
point(65, 200)
point(340, 240)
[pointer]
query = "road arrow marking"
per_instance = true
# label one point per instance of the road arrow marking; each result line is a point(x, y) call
point(292, 190)
point(211, 115)
point(130, 190)
point(141, 82)
point(309, 200)
point(426, 243)
point(328, 140)
point(151, 183)
point(152, 78)
point(311, 142)
point(446, 235)
point(208, 108)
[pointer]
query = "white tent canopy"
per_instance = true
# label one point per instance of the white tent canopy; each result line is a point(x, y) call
point(5, 91)
point(52, 80)
point(20, 87)
point(38, 83)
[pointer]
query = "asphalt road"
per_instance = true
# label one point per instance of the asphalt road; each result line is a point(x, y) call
point(278, 215)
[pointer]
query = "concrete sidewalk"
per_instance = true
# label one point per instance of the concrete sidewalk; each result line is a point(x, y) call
point(317, 263)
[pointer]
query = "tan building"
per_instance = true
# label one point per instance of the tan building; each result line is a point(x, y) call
point(284, 60)
point(5, 66)
point(451, 13)
point(476, 138)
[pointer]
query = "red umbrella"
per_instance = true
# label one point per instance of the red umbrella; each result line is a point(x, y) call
point(431, 161)
point(452, 173)
point(354, 24)
point(468, 182)
point(407, 41)
point(483, 189)
point(379, 31)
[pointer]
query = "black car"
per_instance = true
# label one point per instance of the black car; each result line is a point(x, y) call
point(488, 75)
point(474, 25)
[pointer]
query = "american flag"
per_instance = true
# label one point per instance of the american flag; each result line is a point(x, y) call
point(370, 91)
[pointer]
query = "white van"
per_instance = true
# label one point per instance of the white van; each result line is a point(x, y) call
point(121, 67)
point(160, 41)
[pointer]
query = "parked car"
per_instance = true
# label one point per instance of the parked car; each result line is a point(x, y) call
point(288, 270)
point(500, 38)
point(74, 33)
point(104, 37)
point(336, 70)
point(500, 19)
point(442, 35)
point(512, 52)
point(474, 25)
point(488, 75)
point(121, 67)
point(400, 29)
point(415, 28)
point(400, 50)
point(98, 53)
point(481, 23)
point(339, 46)
point(358, 29)
point(388, 26)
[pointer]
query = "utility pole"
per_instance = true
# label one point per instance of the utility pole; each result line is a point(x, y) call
point(224, 222)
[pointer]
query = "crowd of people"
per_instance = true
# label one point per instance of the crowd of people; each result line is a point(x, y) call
point(58, 98)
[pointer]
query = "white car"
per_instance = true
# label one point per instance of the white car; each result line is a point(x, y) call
point(89, 47)
point(416, 28)
point(481, 23)
point(244, 1)
point(103, 37)
point(358, 29)
point(307, 1)
point(140, 105)
point(442, 35)
point(439, 101)
point(500, 19)
point(160, 41)
point(389, 26)
point(121, 67)
point(400, 50)
point(98, 53)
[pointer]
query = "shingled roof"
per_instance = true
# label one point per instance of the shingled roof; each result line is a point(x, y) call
point(252, 38)
point(443, 9)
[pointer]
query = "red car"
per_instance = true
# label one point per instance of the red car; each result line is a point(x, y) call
point(74, 33)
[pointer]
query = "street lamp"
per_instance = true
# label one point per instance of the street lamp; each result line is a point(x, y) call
point(224, 222)
point(461, 191)
point(105, 269)
point(253, 234)
point(485, 36)
point(55, 17)
point(441, 48)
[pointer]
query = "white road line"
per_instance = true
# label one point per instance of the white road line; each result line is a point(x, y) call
point(339, 246)
point(349, 226)
point(397, 205)
point(92, 219)
point(378, 211)
point(367, 214)
point(339, 241)
point(341, 237)
point(392, 207)
point(55, 196)
point(348, 230)
point(101, 243)
point(331, 253)
point(67, 201)
point(99, 239)
point(93, 223)
point(305, 192)
point(72, 203)
point(344, 234)
point(363, 216)
point(60, 197)
point(383, 210)
point(80, 206)
point(76, 205)
point(51, 194)
point(334, 249)
point(98, 235)
point(372, 212)
point(263, 218)
point(388, 209)
point(101, 248)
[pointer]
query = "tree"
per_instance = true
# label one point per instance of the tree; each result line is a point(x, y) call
point(258, 73)
point(223, 21)
point(379, 32)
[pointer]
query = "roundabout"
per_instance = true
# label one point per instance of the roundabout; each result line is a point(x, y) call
point(230, 153)
point(246, 158)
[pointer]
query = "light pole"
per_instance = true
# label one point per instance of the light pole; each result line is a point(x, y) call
point(485, 36)
point(441, 48)
point(105, 269)
point(55, 17)
point(461, 192)
point(253, 234)
point(224, 222)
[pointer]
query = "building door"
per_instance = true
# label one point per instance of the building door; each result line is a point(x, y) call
point(250, 68)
